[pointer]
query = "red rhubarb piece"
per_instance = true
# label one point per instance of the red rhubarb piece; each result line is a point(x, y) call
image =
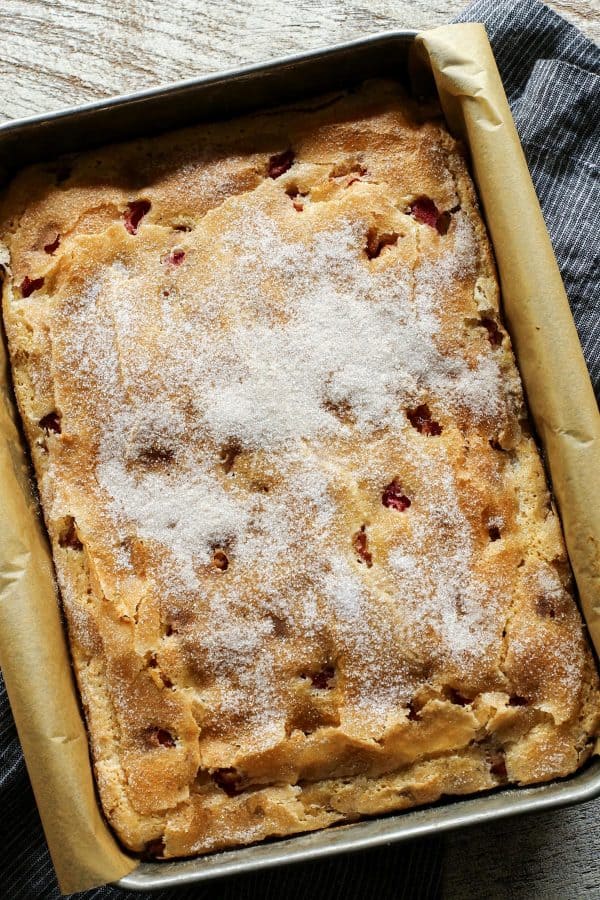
point(29, 285)
point(52, 247)
point(360, 542)
point(323, 678)
point(495, 336)
point(280, 163)
point(420, 418)
point(50, 422)
point(135, 212)
point(393, 497)
point(176, 257)
point(424, 210)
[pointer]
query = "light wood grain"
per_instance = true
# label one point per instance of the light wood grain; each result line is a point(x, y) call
point(55, 53)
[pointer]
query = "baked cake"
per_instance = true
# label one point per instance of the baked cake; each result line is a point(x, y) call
point(307, 554)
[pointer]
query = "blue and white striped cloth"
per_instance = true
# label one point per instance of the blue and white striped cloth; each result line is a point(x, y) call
point(551, 73)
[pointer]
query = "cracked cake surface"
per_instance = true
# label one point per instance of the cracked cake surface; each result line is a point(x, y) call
point(306, 550)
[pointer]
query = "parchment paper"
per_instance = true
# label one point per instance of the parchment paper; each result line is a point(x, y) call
point(556, 379)
point(36, 668)
point(33, 650)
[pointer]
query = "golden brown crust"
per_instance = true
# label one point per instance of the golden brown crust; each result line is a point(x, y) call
point(304, 540)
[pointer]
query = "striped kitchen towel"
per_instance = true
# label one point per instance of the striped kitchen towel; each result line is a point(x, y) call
point(551, 74)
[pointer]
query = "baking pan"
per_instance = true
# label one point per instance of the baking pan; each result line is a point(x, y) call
point(222, 96)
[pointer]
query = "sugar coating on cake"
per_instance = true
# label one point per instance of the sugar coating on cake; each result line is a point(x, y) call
point(306, 550)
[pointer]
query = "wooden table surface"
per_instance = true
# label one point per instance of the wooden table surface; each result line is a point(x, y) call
point(54, 53)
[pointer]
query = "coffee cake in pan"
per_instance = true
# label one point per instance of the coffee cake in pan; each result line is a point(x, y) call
point(307, 554)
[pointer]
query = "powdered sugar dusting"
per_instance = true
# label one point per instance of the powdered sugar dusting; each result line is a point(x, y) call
point(549, 583)
point(340, 334)
point(294, 349)
point(441, 584)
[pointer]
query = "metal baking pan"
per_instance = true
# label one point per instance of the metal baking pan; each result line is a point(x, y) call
point(222, 96)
